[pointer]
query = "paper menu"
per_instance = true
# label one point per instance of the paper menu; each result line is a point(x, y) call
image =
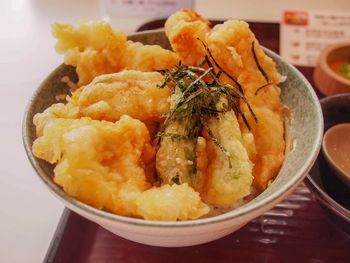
point(303, 34)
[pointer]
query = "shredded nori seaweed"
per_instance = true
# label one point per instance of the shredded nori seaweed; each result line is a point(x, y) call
point(198, 91)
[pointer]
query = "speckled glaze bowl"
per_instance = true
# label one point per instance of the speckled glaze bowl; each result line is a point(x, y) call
point(304, 133)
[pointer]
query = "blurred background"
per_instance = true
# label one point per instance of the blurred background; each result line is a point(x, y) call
point(29, 213)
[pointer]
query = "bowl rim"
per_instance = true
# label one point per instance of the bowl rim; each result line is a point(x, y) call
point(324, 61)
point(239, 212)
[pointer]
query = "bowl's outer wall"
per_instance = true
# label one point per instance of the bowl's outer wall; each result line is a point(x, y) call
point(306, 128)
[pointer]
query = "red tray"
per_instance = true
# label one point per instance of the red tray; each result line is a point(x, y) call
point(296, 230)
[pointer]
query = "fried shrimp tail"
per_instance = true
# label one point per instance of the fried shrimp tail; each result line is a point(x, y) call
point(183, 30)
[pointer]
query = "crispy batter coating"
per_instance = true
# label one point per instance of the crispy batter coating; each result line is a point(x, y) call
point(102, 164)
point(94, 48)
point(182, 29)
point(230, 44)
point(129, 92)
point(100, 140)
point(138, 56)
point(170, 203)
point(176, 154)
point(269, 145)
point(269, 131)
point(181, 158)
point(174, 162)
point(175, 157)
point(229, 174)
point(55, 111)
point(202, 164)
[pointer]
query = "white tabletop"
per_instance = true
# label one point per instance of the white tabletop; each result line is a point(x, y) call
point(29, 212)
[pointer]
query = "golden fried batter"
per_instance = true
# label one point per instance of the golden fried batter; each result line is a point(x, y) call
point(100, 140)
point(182, 158)
point(176, 154)
point(170, 203)
point(230, 44)
point(94, 48)
point(138, 56)
point(230, 172)
point(129, 92)
point(182, 29)
point(102, 164)
point(269, 131)
point(55, 111)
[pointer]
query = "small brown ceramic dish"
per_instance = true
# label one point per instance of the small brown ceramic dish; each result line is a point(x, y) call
point(336, 149)
point(326, 78)
point(329, 190)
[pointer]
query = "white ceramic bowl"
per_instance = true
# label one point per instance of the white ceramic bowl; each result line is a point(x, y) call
point(304, 133)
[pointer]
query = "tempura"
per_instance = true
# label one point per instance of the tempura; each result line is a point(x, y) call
point(159, 134)
point(231, 44)
point(94, 48)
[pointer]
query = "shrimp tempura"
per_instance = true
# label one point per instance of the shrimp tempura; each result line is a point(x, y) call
point(94, 48)
point(232, 44)
point(103, 164)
